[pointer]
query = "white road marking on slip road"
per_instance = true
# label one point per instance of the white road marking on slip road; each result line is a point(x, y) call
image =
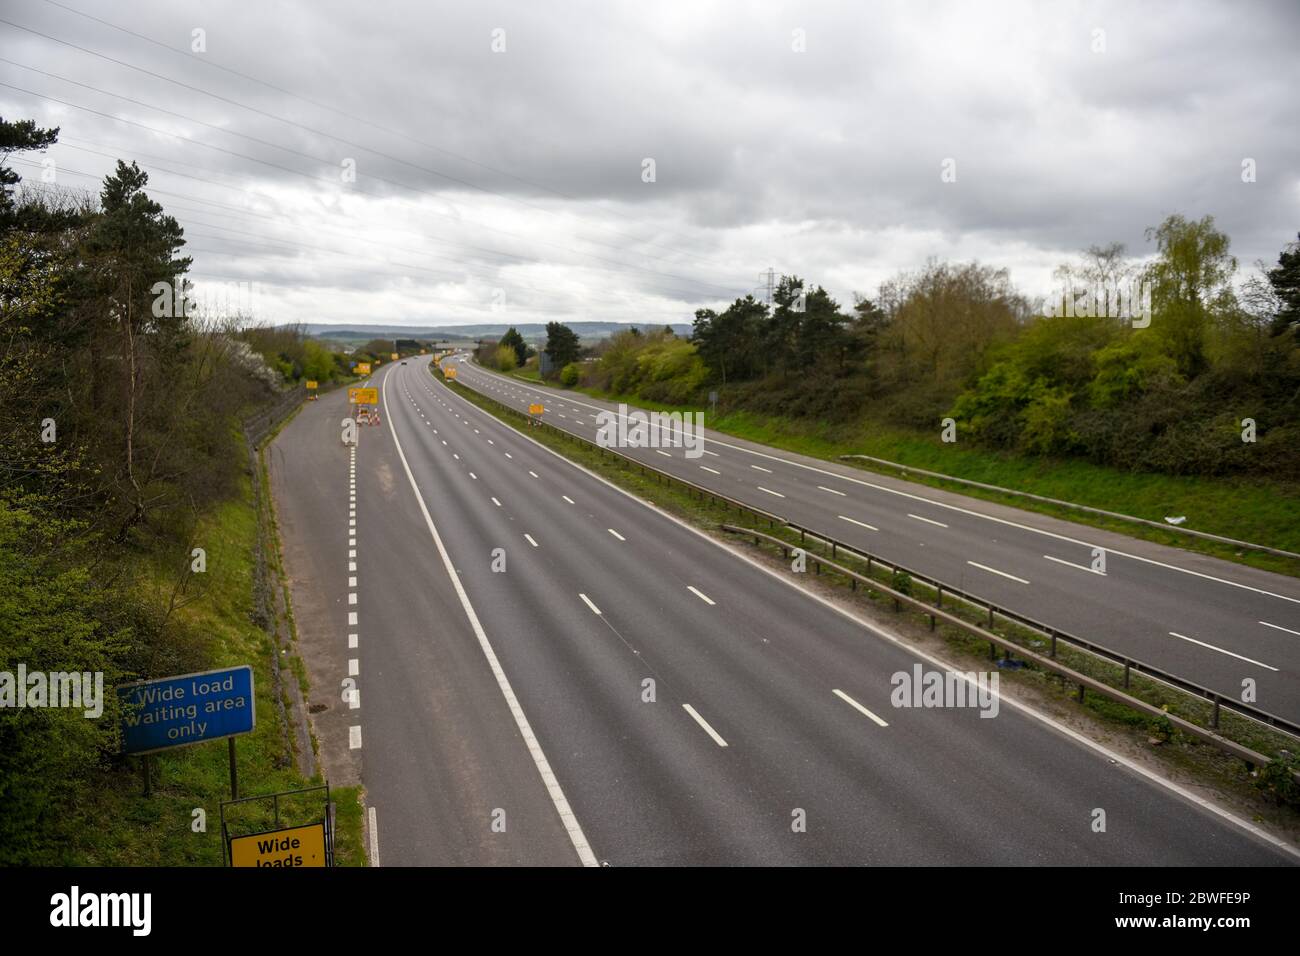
point(586, 600)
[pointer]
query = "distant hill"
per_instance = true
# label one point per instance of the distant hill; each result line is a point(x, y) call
point(534, 332)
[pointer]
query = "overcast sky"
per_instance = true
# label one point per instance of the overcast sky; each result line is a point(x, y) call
point(508, 184)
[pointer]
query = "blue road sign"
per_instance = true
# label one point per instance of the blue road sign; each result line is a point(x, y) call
point(186, 709)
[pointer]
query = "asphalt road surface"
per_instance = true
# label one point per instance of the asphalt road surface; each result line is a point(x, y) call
point(627, 691)
point(1208, 621)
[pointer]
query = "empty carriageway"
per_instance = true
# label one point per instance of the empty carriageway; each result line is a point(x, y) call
point(694, 708)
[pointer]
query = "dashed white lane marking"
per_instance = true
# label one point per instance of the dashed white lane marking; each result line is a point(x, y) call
point(714, 470)
point(354, 737)
point(352, 618)
point(587, 601)
point(831, 490)
point(713, 453)
point(556, 792)
point(534, 474)
point(858, 707)
point(352, 582)
point(352, 598)
point(1248, 660)
point(616, 534)
point(374, 838)
point(985, 567)
point(354, 667)
point(660, 451)
point(1071, 564)
point(860, 524)
point(474, 476)
point(926, 520)
point(456, 456)
point(717, 737)
point(510, 456)
point(352, 640)
point(1280, 628)
point(764, 470)
point(497, 503)
point(770, 491)
point(568, 499)
point(530, 540)
point(352, 565)
point(700, 594)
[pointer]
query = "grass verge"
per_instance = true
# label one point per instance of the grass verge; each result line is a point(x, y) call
point(120, 826)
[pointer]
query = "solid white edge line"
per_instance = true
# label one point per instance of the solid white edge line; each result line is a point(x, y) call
point(549, 780)
point(858, 707)
point(985, 567)
point(883, 634)
point(374, 836)
point(1280, 628)
point(978, 514)
point(717, 737)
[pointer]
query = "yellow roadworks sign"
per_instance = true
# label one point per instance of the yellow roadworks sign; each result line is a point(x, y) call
point(394, 356)
point(535, 409)
point(310, 383)
point(363, 396)
point(363, 368)
point(450, 371)
point(296, 846)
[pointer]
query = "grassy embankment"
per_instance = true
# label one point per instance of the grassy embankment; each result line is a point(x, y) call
point(124, 828)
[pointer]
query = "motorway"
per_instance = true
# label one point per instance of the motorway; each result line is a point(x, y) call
point(628, 691)
point(1208, 621)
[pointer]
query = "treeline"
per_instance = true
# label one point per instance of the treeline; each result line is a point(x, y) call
point(120, 415)
point(1219, 359)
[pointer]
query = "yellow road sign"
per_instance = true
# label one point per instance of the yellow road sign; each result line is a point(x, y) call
point(295, 846)
point(450, 371)
point(363, 368)
point(310, 383)
point(535, 409)
point(363, 396)
point(394, 356)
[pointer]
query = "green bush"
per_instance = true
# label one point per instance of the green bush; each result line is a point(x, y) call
point(569, 375)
